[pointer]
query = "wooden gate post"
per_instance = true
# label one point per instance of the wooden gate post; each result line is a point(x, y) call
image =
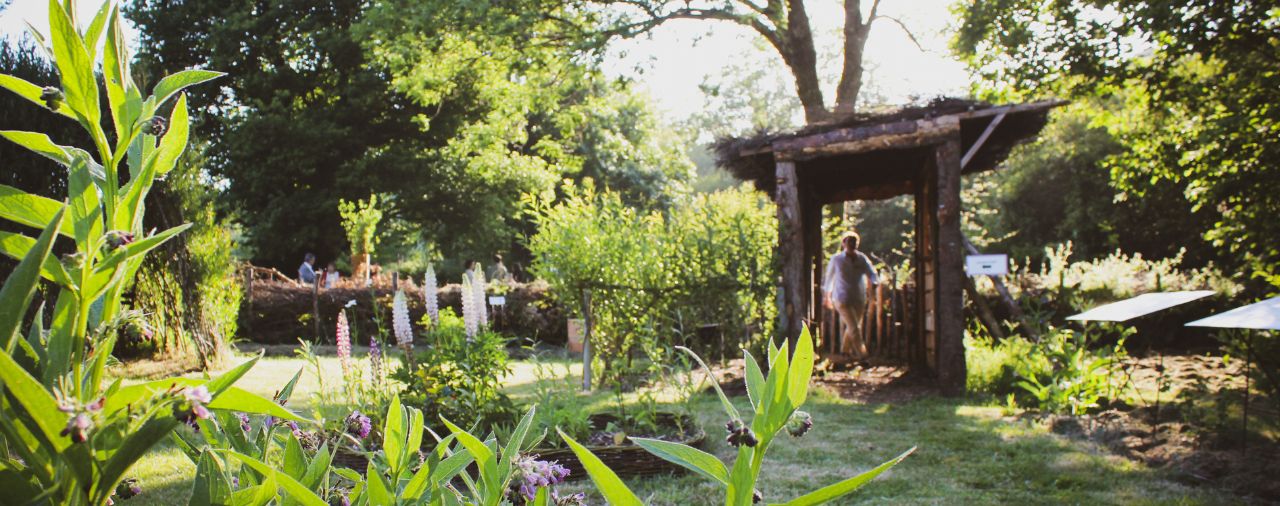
point(950, 320)
point(586, 340)
point(791, 249)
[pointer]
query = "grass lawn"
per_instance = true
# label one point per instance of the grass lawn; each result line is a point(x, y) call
point(968, 454)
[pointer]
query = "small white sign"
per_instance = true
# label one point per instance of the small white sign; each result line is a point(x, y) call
point(986, 265)
point(497, 300)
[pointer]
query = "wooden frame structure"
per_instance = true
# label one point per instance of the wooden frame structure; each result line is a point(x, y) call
point(920, 151)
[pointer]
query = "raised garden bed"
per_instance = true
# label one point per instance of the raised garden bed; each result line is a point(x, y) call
point(625, 459)
point(628, 459)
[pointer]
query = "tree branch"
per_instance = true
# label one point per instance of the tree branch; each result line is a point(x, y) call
point(904, 28)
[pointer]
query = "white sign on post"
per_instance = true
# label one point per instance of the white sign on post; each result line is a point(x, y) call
point(986, 265)
point(497, 300)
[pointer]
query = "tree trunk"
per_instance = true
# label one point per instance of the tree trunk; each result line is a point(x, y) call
point(802, 59)
point(855, 40)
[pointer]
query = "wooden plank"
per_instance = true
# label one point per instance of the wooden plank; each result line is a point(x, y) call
point(791, 250)
point(982, 139)
point(1040, 105)
point(950, 313)
point(900, 135)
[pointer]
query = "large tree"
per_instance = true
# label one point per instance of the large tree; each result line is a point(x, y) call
point(1202, 87)
point(328, 100)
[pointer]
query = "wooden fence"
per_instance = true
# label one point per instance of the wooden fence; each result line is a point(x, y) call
point(890, 326)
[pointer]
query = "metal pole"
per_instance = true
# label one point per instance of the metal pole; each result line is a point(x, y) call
point(586, 340)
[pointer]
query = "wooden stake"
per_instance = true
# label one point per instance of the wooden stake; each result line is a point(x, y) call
point(586, 340)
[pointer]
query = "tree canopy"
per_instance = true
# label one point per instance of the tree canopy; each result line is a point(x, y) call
point(451, 123)
point(1200, 86)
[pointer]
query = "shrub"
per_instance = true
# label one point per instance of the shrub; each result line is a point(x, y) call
point(1064, 372)
point(458, 378)
point(657, 276)
point(360, 220)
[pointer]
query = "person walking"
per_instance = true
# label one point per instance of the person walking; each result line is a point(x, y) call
point(845, 289)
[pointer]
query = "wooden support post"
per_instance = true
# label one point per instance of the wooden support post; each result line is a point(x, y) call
point(950, 319)
point(315, 308)
point(586, 341)
point(248, 289)
point(791, 249)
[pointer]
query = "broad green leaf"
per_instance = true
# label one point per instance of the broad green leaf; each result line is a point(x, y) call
point(837, 490)
point(105, 270)
point(607, 482)
point(174, 141)
point(137, 444)
point(86, 208)
point(450, 467)
point(94, 33)
point(231, 399)
point(212, 486)
point(378, 490)
point(318, 468)
point(20, 286)
point(480, 452)
point(75, 68)
point(295, 490)
point(724, 399)
point(688, 457)
point(38, 404)
point(517, 439)
point(29, 91)
point(224, 381)
point(175, 83)
point(417, 485)
point(17, 246)
point(801, 369)
point(542, 498)
point(393, 436)
point(295, 461)
point(39, 144)
point(115, 68)
point(30, 209)
point(61, 343)
point(754, 379)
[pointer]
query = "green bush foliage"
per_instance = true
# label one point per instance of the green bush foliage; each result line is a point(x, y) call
point(1063, 372)
point(458, 378)
point(69, 437)
point(197, 269)
point(656, 276)
point(360, 221)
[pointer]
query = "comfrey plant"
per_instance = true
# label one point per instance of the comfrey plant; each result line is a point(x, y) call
point(775, 401)
point(65, 437)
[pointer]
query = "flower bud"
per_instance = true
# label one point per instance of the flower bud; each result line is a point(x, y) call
point(155, 125)
point(52, 97)
point(128, 488)
point(118, 238)
point(756, 496)
point(799, 423)
point(78, 428)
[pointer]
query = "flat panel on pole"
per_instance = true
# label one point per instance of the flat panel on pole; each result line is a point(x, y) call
point(1263, 315)
point(1141, 305)
point(986, 265)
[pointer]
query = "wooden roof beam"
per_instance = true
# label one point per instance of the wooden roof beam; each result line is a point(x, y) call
point(982, 139)
point(847, 141)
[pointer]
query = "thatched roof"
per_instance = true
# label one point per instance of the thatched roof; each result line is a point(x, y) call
point(876, 155)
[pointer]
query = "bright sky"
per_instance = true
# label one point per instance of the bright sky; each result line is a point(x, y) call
point(678, 56)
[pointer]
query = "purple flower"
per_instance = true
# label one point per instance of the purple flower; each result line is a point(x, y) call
point(78, 428)
point(359, 425)
point(343, 336)
point(198, 394)
point(375, 360)
point(244, 422)
point(534, 474)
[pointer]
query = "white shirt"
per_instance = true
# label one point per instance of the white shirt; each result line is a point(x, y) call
point(845, 277)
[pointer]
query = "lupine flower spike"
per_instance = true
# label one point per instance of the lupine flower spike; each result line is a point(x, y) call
point(343, 337)
point(375, 361)
point(482, 307)
point(400, 321)
point(469, 317)
point(429, 298)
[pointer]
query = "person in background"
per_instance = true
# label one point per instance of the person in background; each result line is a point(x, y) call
point(498, 272)
point(846, 291)
point(331, 276)
point(307, 274)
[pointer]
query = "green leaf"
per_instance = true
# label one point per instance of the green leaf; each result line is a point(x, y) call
point(512, 449)
point(837, 490)
point(754, 380)
point(318, 468)
point(29, 91)
point(480, 452)
point(86, 208)
point(393, 436)
point(231, 399)
point(175, 83)
point(134, 447)
point(39, 144)
point(801, 369)
point(115, 71)
point(174, 141)
point(295, 462)
point(724, 399)
point(607, 482)
point(287, 391)
point(451, 466)
point(74, 66)
point(20, 286)
point(688, 457)
point(17, 246)
point(94, 33)
point(40, 406)
point(30, 209)
point(417, 485)
point(211, 486)
point(379, 492)
point(543, 497)
point(291, 486)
